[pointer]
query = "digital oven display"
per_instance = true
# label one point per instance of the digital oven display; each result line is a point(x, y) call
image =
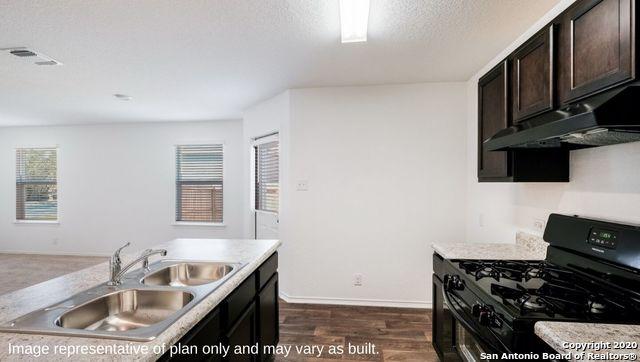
point(603, 238)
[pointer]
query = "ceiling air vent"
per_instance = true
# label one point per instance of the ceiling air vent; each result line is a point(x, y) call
point(32, 55)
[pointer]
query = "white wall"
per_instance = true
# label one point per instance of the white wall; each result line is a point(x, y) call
point(605, 181)
point(386, 172)
point(116, 184)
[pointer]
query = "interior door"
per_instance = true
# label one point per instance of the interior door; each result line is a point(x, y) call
point(266, 225)
point(266, 186)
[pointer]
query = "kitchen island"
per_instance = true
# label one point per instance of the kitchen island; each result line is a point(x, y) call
point(251, 253)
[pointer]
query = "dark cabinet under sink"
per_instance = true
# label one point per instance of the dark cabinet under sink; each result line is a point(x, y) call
point(247, 317)
point(243, 333)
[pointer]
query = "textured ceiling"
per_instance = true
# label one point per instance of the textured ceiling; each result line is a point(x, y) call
point(210, 59)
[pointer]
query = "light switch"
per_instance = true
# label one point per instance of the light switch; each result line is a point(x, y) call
point(302, 185)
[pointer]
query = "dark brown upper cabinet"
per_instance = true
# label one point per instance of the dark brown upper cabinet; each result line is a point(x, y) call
point(533, 76)
point(493, 115)
point(596, 47)
point(588, 48)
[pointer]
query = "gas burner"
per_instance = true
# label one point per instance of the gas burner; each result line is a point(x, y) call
point(523, 299)
point(494, 269)
point(546, 272)
point(532, 273)
point(597, 307)
point(534, 303)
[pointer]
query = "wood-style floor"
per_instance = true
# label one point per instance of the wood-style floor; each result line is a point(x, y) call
point(18, 271)
point(398, 334)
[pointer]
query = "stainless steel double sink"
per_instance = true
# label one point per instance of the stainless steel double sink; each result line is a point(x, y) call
point(143, 306)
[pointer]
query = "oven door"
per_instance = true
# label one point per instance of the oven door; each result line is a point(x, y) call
point(472, 341)
point(468, 347)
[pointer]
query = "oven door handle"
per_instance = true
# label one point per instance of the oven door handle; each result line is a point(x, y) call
point(470, 328)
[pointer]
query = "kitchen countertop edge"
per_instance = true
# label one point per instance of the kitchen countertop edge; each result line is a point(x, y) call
point(559, 334)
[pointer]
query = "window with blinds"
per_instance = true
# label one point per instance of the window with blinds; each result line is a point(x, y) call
point(267, 179)
point(37, 184)
point(199, 183)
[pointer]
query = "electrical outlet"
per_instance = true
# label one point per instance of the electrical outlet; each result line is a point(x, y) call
point(302, 185)
point(54, 241)
point(357, 280)
point(538, 225)
point(481, 220)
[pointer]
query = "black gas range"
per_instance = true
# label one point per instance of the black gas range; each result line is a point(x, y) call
point(591, 274)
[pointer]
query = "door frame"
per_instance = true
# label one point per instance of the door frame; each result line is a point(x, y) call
point(256, 141)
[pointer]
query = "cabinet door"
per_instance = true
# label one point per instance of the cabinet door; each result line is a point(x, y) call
point(492, 117)
point(243, 333)
point(532, 76)
point(596, 47)
point(269, 331)
point(206, 333)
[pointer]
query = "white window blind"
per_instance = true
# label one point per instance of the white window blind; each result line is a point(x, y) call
point(36, 184)
point(199, 183)
point(267, 179)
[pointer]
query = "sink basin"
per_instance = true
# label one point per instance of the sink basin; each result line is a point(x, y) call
point(188, 274)
point(125, 310)
point(140, 309)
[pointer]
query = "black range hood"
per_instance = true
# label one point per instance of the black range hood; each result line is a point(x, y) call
point(608, 118)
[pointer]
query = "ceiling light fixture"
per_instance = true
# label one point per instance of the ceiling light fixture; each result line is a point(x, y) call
point(354, 19)
point(123, 97)
point(33, 55)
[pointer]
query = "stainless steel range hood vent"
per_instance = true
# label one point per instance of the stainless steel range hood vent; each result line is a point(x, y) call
point(608, 118)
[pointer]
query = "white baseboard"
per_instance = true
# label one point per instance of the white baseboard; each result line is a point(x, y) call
point(53, 253)
point(357, 302)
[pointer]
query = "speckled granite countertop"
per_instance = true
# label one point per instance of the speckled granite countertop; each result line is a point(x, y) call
point(20, 302)
point(572, 339)
point(527, 247)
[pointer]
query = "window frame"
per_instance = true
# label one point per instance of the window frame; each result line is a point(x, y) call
point(58, 184)
point(174, 175)
point(256, 141)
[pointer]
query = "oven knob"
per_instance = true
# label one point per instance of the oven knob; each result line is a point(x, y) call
point(475, 310)
point(489, 318)
point(495, 322)
point(454, 283)
point(485, 317)
point(479, 308)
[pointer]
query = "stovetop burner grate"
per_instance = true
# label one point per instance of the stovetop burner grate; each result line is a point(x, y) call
point(552, 299)
point(512, 270)
point(539, 287)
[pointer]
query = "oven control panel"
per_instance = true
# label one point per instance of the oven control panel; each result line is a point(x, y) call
point(603, 238)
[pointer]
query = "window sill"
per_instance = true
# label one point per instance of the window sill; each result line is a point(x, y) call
point(190, 223)
point(49, 222)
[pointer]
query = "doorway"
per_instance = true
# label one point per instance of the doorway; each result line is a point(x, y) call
point(266, 186)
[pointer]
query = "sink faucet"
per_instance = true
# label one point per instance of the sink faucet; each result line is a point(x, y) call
point(116, 271)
